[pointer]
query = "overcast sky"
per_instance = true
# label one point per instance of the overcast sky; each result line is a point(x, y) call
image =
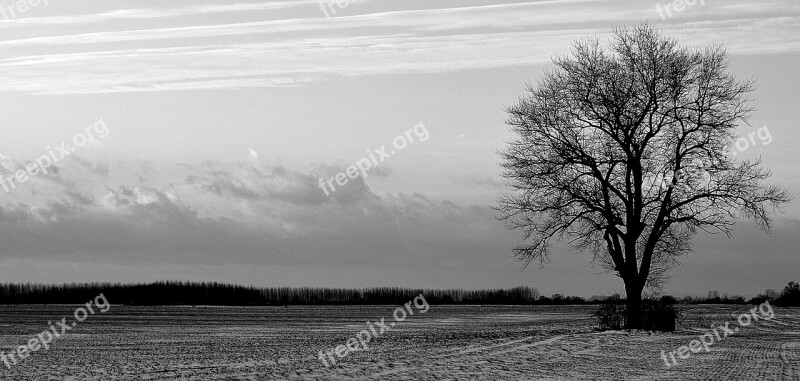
point(218, 118)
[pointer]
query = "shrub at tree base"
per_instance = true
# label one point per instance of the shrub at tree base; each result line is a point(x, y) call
point(610, 316)
point(655, 315)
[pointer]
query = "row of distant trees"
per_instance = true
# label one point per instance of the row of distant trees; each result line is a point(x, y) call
point(790, 296)
point(212, 293)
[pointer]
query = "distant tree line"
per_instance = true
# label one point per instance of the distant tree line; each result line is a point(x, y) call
point(789, 297)
point(213, 293)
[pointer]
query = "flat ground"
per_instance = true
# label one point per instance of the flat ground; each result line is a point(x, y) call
point(446, 343)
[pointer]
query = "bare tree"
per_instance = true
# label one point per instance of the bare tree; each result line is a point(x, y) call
point(595, 138)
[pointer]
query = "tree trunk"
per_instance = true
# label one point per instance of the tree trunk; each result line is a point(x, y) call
point(633, 305)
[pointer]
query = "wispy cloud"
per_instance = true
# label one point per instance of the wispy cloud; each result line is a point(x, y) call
point(186, 56)
point(148, 14)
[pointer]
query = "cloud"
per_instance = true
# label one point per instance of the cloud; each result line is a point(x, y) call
point(154, 13)
point(186, 56)
point(479, 182)
point(244, 213)
point(258, 182)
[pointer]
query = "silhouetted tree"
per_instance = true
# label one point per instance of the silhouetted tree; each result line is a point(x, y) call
point(595, 138)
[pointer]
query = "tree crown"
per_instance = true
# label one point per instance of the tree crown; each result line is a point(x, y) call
point(598, 142)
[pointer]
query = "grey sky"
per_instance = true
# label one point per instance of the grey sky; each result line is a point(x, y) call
point(223, 115)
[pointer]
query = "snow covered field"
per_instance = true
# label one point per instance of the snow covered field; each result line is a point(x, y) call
point(446, 343)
